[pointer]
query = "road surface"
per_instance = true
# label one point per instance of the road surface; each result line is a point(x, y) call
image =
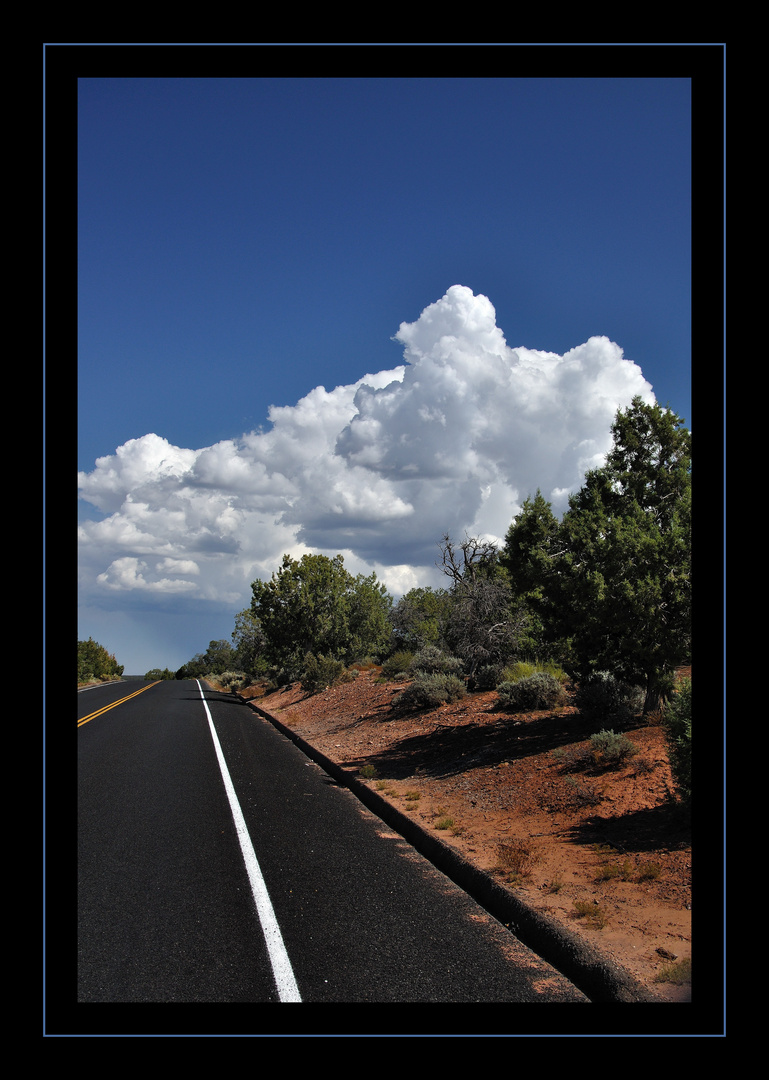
point(218, 864)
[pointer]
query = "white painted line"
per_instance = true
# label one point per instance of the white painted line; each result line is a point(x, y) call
point(281, 965)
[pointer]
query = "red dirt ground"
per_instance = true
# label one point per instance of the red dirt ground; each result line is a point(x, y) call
point(613, 839)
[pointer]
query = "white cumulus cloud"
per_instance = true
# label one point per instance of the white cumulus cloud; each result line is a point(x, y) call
point(453, 440)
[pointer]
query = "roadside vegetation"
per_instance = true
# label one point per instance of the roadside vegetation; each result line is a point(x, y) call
point(599, 601)
point(95, 664)
point(158, 674)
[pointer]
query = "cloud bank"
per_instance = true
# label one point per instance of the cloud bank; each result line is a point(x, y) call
point(453, 440)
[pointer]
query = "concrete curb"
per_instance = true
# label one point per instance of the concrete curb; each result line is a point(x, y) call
point(599, 978)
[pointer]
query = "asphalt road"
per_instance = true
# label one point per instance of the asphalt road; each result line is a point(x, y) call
point(218, 864)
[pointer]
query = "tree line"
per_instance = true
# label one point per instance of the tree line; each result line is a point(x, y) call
point(605, 589)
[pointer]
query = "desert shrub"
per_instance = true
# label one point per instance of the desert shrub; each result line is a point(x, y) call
point(677, 972)
point(323, 671)
point(288, 673)
point(677, 722)
point(537, 691)
point(602, 695)
point(397, 664)
point(517, 857)
point(487, 677)
point(573, 757)
point(431, 689)
point(590, 910)
point(231, 680)
point(433, 661)
point(611, 748)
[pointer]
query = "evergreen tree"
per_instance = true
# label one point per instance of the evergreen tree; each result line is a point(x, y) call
point(420, 618)
point(315, 606)
point(531, 544)
point(249, 643)
point(619, 582)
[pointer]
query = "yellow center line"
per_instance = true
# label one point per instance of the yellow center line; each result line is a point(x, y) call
point(106, 708)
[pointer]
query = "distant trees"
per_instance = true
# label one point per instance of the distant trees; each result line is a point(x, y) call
point(156, 674)
point(94, 662)
point(217, 659)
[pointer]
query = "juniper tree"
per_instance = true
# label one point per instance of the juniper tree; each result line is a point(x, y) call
point(619, 577)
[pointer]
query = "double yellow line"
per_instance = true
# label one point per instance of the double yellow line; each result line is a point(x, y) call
point(100, 712)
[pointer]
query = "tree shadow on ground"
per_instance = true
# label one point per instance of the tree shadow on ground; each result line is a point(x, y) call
point(452, 750)
point(639, 830)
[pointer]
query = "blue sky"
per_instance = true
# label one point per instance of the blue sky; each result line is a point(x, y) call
point(248, 250)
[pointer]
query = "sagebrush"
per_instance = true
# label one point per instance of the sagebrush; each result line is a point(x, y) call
point(429, 690)
point(538, 691)
point(323, 671)
point(611, 748)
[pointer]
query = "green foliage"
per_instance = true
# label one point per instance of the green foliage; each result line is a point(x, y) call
point(94, 662)
point(677, 722)
point(431, 689)
point(487, 677)
point(398, 664)
point(420, 617)
point(611, 748)
point(524, 669)
point(609, 587)
point(218, 658)
point(315, 606)
point(321, 672)
point(529, 546)
point(602, 695)
point(619, 583)
point(606, 593)
point(538, 691)
point(231, 680)
point(527, 556)
point(248, 644)
point(553, 669)
point(368, 618)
